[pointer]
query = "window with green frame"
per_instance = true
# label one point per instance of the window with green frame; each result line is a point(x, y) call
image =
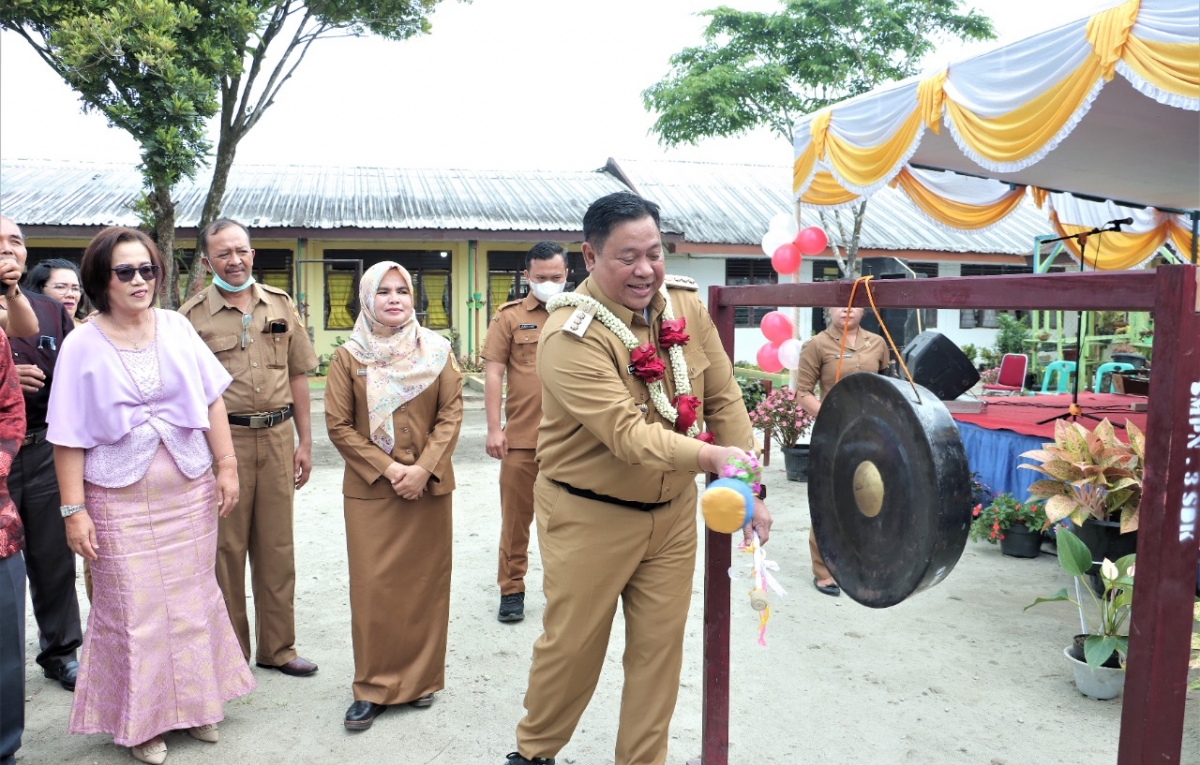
point(432, 284)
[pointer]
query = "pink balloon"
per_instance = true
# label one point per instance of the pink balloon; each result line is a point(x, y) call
point(768, 358)
point(776, 327)
point(812, 240)
point(786, 259)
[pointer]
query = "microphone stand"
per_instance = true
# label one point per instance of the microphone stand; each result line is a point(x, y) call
point(1074, 411)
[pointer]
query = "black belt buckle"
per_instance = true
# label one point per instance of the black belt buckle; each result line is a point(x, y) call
point(263, 419)
point(34, 437)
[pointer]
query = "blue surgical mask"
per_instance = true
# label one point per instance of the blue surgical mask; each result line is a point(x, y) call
point(227, 287)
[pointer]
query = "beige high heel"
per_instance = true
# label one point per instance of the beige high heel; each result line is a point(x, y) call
point(153, 751)
point(207, 733)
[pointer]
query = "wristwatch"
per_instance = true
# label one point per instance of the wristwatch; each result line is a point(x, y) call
point(762, 491)
point(69, 510)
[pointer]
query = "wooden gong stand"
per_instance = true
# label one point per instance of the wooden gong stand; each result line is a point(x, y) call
point(1160, 629)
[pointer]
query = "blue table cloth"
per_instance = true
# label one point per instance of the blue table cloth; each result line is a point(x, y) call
point(994, 456)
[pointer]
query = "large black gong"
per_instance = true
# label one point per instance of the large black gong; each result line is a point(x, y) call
point(888, 488)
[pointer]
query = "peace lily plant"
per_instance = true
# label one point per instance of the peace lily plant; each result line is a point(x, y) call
point(1111, 607)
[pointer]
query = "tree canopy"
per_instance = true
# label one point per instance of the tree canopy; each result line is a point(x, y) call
point(768, 69)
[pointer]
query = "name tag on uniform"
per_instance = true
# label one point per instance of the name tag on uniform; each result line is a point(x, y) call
point(361, 372)
point(847, 356)
point(526, 326)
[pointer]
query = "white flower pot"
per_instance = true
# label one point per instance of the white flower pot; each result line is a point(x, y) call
point(1096, 682)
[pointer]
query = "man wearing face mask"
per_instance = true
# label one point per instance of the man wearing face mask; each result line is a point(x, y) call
point(255, 332)
point(511, 347)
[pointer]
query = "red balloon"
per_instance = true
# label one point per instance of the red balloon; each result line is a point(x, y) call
point(812, 240)
point(776, 327)
point(768, 358)
point(786, 259)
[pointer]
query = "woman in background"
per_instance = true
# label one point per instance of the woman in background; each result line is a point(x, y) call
point(136, 420)
point(57, 278)
point(393, 407)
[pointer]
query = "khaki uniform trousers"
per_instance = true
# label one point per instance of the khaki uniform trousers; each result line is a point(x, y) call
point(518, 471)
point(261, 526)
point(592, 553)
point(819, 569)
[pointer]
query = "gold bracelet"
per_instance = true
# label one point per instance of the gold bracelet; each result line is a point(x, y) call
point(228, 457)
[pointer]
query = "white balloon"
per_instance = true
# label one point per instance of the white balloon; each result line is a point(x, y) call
point(785, 225)
point(772, 241)
point(789, 353)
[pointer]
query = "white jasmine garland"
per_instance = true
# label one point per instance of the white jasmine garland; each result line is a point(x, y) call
point(658, 393)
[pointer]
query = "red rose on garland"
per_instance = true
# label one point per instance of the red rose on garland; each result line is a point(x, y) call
point(706, 437)
point(671, 333)
point(646, 364)
point(687, 406)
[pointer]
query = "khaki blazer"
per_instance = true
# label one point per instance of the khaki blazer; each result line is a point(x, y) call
point(426, 429)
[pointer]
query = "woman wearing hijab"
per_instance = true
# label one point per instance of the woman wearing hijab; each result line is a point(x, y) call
point(393, 407)
point(138, 426)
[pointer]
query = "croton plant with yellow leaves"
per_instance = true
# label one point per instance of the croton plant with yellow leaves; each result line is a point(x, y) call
point(1090, 474)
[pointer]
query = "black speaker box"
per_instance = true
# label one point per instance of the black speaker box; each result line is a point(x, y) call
point(935, 362)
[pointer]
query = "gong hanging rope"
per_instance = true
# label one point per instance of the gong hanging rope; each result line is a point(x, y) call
point(866, 282)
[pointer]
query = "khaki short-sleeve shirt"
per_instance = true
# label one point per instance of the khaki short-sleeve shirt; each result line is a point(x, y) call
point(819, 359)
point(262, 354)
point(512, 340)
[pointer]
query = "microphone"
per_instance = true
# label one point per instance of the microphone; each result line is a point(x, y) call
point(1120, 222)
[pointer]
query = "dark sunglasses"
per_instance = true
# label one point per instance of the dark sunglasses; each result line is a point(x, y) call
point(148, 272)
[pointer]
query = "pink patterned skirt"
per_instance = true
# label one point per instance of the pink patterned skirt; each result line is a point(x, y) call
point(159, 653)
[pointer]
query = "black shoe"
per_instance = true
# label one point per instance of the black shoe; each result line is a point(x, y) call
point(827, 589)
point(362, 714)
point(515, 758)
point(65, 674)
point(512, 607)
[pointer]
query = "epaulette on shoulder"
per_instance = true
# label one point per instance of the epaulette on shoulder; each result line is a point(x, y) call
point(579, 320)
point(673, 281)
point(509, 304)
point(194, 301)
point(276, 290)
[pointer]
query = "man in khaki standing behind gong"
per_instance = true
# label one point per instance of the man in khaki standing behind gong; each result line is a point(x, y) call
point(511, 349)
point(255, 331)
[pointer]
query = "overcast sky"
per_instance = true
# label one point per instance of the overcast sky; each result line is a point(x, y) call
point(536, 84)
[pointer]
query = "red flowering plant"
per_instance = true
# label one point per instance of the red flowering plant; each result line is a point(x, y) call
point(989, 523)
point(780, 414)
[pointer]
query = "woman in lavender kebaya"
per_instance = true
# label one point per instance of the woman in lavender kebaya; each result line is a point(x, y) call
point(137, 424)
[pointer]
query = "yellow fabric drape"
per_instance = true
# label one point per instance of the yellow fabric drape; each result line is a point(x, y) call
point(1172, 67)
point(1182, 239)
point(434, 287)
point(1024, 130)
point(1108, 32)
point(864, 166)
point(1114, 250)
point(932, 97)
point(826, 191)
point(956, 214)
point(1039, 196)
point(500, 286)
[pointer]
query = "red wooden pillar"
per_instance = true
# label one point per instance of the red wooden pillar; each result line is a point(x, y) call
point(718, 556)
point(1161, 626)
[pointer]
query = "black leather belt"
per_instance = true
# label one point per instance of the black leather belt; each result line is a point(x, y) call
point(34, 437)
point(262, 419)
point(646, 506)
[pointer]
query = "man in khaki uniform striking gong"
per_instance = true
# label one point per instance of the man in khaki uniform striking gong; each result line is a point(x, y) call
point(255, 331)
point(511, 350)
point(615, 497)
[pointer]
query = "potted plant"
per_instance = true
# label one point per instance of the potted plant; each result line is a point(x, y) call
point(970, 351)
point(1016, 526)
point(1099, 663)
point(1094, 480)
point(780, 413)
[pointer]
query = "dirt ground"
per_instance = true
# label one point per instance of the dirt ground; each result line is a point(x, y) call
point(958, 675)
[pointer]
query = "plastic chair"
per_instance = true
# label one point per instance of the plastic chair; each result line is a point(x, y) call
point(1109, 369)
point(1064, 370)
point(1012, 374)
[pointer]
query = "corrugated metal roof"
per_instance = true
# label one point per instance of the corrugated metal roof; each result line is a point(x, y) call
point(733, 204)
point(81, 194)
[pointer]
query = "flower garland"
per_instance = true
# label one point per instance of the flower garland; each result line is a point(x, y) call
point(645, 363)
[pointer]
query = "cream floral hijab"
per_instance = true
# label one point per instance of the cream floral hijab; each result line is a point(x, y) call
point(401, 361)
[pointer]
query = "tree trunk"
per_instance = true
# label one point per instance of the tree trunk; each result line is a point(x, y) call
point(163, 209)
point(226, 150)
